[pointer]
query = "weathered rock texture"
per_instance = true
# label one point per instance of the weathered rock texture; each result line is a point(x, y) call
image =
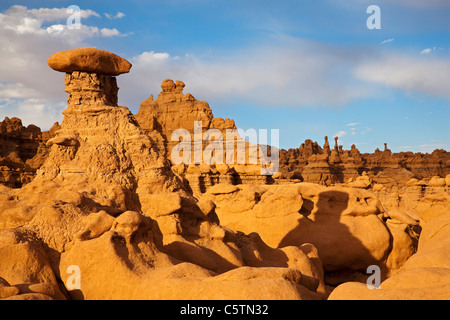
point(425, 276)
point(348, 226)
point(22, 151)
point(311, 163)
point(174, 110)
point(92, 89)
point(107, 201)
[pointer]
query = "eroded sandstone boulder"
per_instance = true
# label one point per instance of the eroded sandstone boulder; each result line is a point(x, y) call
point(424, 276)
point(106, 200)
point(348, 226)
point(89, 60)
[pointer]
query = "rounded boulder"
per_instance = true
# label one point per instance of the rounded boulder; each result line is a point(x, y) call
point(89, 60)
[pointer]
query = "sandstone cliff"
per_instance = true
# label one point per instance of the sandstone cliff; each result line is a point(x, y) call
point(22, 151)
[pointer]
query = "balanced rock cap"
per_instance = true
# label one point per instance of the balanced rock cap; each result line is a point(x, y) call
point(89, 60)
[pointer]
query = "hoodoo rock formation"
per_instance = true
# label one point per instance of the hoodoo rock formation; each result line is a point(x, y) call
point(106, 200)
point(97, 207)
point(173, 110)
point(311, 163)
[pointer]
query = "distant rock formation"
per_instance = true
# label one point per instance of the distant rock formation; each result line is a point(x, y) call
point(22, 151)
point(174, 110)
point(310, 163)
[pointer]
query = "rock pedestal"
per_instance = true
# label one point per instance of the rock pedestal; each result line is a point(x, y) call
point(91, 89)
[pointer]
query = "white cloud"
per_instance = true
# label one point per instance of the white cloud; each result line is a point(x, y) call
point(426, 147)
point(288, 72)
point(117, 16)
point(412, 74)
point(352, 124)
point(429, 50)
point(52, 14)
point(21, 20)
point(40, 112)
point(148, 58)
point(340, 134)
point(105, 32)
point(15, 90)
point(387, 41)
point(430, 147)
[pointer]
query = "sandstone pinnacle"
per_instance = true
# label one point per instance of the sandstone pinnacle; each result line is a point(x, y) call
point(89, 60)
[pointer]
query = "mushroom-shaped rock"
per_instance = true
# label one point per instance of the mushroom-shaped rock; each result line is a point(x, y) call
point(89, 60)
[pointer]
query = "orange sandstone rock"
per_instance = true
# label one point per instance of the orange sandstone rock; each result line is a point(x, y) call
point(107, 201)
point(89, 60)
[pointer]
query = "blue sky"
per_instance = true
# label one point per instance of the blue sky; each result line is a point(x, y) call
point(308, 68)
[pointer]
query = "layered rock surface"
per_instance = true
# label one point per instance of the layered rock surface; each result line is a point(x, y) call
point(106, 200)
point(311, 163)
point(174, 110)
point(22, 151)
point(233, 159)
